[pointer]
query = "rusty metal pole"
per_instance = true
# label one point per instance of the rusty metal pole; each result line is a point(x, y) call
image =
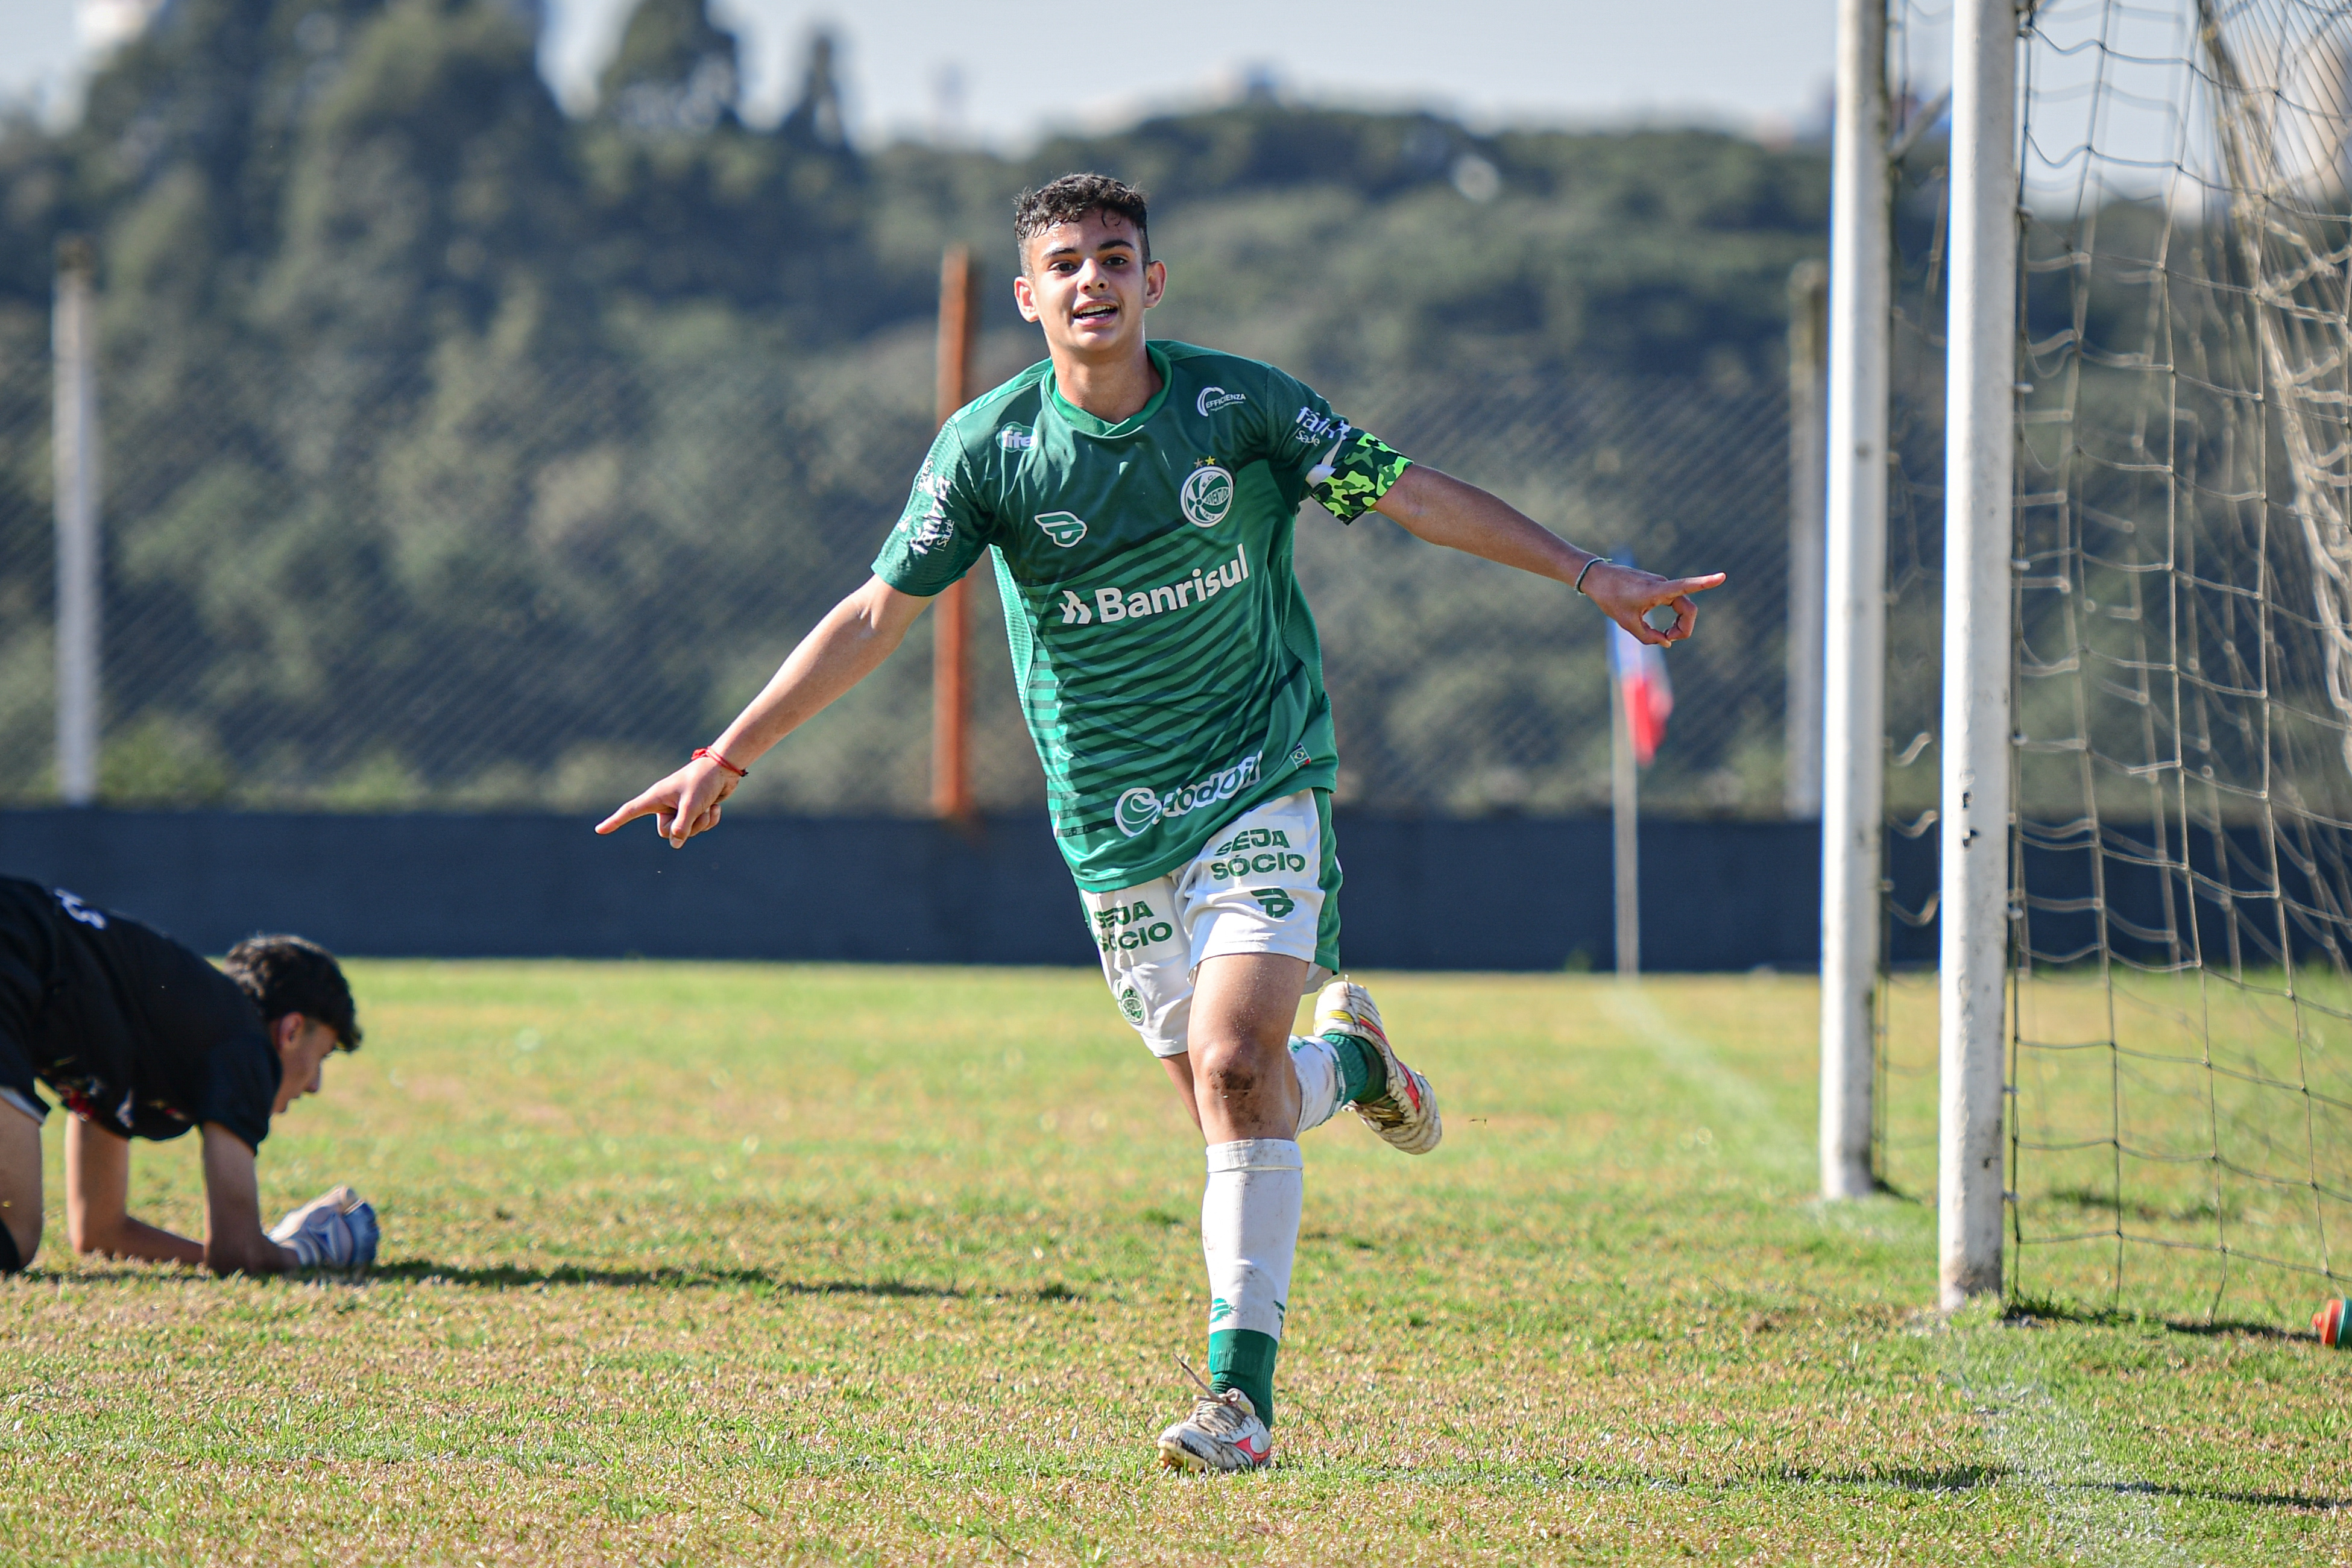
point(951, 615)
point(75, 442)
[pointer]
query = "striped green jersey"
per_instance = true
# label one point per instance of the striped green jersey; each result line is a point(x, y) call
point(1168, 665)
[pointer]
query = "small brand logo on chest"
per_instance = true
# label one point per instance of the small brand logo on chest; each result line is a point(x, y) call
point(1064, 528)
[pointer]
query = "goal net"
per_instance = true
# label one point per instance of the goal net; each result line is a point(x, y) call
point(2180, 1071)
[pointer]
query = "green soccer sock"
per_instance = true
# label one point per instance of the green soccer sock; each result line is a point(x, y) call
point(1361, 1075)
point(1244, 1359)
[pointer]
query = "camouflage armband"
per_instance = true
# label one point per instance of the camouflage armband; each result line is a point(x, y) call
point(1356, 474)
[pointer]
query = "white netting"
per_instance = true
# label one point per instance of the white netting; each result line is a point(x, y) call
point(2182, 1051)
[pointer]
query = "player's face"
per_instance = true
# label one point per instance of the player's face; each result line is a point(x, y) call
point(303, 1046)
point(1087, 285)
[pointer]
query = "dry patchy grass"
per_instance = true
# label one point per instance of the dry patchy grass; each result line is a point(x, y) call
point(703, 1263)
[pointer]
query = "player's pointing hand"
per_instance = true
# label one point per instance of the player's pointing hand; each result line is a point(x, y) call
point(682, 805)
point(1627, 593)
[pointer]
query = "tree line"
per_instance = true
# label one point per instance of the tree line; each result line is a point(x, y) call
point(463, 450)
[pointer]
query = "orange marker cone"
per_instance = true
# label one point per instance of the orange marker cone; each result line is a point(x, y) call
point(2328, 1321)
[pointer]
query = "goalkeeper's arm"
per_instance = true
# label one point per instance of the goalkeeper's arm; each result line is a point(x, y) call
point(98, 1222)
point(234, 1242)
point(98, 1189)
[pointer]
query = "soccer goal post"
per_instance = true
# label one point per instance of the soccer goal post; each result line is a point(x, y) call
point(1974, 837)
point(1854, 716)
point(2121, 579)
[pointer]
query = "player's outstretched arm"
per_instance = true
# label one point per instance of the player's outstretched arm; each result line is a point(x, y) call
point(843, 648)
point(98, 1222)
point(234, 1240)
point(1443, 510)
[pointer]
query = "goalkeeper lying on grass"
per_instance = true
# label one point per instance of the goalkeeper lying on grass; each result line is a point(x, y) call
point(142, 1039)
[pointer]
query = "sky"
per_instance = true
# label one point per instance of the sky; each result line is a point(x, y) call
point(1003, 75)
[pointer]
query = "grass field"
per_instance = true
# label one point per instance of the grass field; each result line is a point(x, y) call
point(703, 1263)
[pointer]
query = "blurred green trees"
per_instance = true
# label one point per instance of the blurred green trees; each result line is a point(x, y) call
point(462, 451)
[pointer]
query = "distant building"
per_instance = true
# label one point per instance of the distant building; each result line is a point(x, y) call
point(105, 26)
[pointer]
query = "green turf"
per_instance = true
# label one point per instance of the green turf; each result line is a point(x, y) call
point(704, 1263)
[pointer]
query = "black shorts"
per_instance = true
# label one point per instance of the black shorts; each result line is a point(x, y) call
point(28, 962)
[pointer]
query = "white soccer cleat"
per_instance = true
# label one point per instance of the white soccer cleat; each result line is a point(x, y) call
point(1223, 1435)
point(1405, 1113)
point(334, 1230)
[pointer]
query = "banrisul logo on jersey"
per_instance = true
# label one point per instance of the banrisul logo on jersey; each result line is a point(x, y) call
point(1142, 806)
point(1187, 593)
point(1207, 497)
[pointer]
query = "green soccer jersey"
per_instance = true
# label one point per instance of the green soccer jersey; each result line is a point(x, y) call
point(1168, 665)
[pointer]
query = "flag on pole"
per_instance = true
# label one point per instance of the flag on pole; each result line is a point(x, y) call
point(1640, 672)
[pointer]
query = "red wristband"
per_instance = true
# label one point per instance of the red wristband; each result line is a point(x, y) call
point(738, 772)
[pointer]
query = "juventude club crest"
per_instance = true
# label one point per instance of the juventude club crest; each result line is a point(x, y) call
point(1064, 528)
point(1208, 497)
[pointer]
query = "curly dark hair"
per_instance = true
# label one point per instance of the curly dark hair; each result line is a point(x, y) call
point(1072, 197)
point(287, 974)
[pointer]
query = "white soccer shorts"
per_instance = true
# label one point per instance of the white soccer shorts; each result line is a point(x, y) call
point(1267, 882)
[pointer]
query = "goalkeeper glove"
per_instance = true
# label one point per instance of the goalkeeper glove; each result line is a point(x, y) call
point(333, 1231)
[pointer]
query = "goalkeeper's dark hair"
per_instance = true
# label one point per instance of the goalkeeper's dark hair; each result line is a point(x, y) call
point(1071, 198)
point(287, 975)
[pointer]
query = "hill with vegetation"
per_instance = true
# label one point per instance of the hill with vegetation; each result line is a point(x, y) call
point(428, 401)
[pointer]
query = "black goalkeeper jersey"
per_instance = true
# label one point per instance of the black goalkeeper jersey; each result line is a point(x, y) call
point(135, 1032)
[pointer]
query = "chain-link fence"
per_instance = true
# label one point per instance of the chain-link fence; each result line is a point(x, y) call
point(484, 581)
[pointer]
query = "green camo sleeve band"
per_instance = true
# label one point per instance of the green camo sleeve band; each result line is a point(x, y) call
point(1356, 474)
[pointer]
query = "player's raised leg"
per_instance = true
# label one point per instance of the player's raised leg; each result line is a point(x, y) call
point(1246, 1092)
point(1395, 1102)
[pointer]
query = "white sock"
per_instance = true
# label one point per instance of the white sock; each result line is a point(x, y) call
point(1319, 1080)
point(1249, 1231)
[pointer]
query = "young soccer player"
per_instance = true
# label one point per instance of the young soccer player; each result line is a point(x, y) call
point(1136, 501)
point(142, 1039)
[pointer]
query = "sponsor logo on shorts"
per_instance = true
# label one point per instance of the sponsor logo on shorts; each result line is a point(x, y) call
point(1142, 806)
point(1255, 852)
point(1119, 605)
point(1124, 928)
point(1064, 528)
point(1214, 398)
point(1207, 497)
point(1274, 901)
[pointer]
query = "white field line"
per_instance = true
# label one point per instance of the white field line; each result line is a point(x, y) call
point(2098, 1513)
point(1741, 1111)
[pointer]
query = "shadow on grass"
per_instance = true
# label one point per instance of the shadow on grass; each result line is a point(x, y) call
point(1951, 1477)
point(507, 1277)
point(2213, 1494)
point(2024, 1311)
point(1966, 1477)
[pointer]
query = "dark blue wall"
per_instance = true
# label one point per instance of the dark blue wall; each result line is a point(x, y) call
point(1425, 894)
